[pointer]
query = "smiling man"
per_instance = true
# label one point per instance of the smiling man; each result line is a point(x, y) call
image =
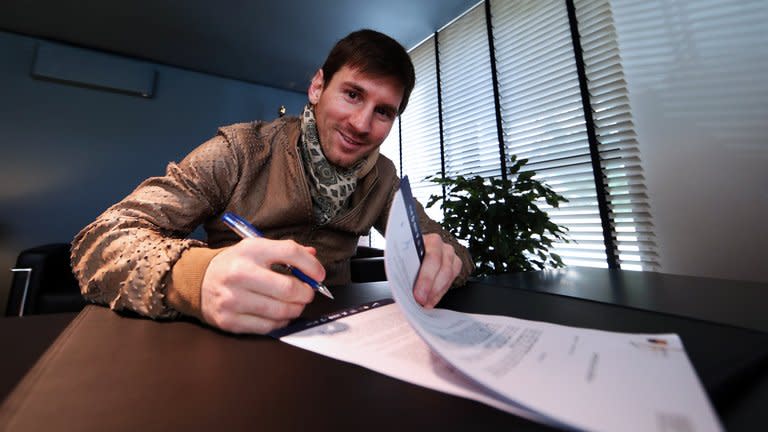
point(312, 184)
point(355, 113)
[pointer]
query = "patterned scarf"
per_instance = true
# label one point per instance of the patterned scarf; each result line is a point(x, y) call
point(329, 185)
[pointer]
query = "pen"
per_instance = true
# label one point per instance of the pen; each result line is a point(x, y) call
point(246, 230)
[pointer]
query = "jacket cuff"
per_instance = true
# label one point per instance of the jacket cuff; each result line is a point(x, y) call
point(186, 281)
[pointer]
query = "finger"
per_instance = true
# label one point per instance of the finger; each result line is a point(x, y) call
point(429, 268)
point(242, 274)
point(281, 287)
point(256, 255)
point(445, 276)
point(239, 323)
point(442, 283)
point(220, 312)
point(267, 307)
point(293, 254)
point(235, 288)
point(425, 279)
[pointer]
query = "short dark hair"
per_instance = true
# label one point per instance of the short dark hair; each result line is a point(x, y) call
point(373, 53)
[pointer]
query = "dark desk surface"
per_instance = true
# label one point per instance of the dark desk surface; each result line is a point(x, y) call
point(112, 372)
point(738, 303)
point(24, 340)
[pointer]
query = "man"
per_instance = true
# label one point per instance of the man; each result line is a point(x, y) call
point(312, 184)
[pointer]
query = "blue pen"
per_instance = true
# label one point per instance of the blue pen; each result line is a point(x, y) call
point(246, 230)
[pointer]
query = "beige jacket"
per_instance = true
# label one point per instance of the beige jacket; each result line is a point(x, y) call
point(136, 255)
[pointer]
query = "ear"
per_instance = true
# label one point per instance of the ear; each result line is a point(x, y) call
point(316, 87)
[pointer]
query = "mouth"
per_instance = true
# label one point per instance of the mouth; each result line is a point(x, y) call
point(349, 141)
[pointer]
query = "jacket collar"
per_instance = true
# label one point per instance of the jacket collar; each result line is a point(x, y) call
point(369, 164)
point(294, 135)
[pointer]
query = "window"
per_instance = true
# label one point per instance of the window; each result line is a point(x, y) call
point(617, 143)
point(466, 85)
point(420, 128)
point(391, 149)
point(543, 117)
point(584, 147)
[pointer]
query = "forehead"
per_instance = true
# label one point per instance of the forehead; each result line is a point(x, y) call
point(387, 88)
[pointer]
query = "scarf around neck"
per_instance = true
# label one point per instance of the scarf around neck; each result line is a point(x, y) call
point(329, 185)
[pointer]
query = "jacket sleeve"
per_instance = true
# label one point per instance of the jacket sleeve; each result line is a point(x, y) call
point(125, 258)
point(429, 226)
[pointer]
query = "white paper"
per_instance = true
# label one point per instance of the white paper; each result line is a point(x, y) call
point(381, 339)
point(564, 376)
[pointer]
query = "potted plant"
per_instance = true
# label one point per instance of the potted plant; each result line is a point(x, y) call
point(499, 220)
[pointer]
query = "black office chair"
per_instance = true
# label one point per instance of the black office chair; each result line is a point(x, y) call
point(367, 265)
point(43, 282)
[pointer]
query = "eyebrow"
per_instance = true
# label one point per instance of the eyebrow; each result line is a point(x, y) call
point(362, 91)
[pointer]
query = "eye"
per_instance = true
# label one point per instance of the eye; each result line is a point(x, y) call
point(353, 94)
point(386, 113)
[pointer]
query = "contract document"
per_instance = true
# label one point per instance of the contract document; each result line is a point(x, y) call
point(569, 377)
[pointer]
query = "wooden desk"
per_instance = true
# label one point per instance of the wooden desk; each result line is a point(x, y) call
point(112, 372)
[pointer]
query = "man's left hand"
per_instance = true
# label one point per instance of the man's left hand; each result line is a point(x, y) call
point(440, 267)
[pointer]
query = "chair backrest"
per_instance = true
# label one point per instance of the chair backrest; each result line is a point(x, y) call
point(43, 282)
point(367, 265)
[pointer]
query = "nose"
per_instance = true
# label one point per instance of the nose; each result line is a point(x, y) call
point(361, 119)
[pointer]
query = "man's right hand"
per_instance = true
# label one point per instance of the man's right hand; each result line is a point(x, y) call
point(242, 294)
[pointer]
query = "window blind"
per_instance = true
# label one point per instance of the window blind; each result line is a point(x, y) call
point(421, 128)
point(469, 116)
point(543, 118)
point(391, 146)
point(391, 149)
point(617, 143)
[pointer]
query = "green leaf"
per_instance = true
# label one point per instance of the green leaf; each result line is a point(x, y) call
point(499, 219)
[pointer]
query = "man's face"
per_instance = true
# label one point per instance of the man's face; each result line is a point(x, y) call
point(354, 113)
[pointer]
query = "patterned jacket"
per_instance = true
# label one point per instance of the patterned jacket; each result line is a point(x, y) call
point(136, 255)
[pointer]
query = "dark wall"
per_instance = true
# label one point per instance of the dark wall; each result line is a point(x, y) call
point(68, 152)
